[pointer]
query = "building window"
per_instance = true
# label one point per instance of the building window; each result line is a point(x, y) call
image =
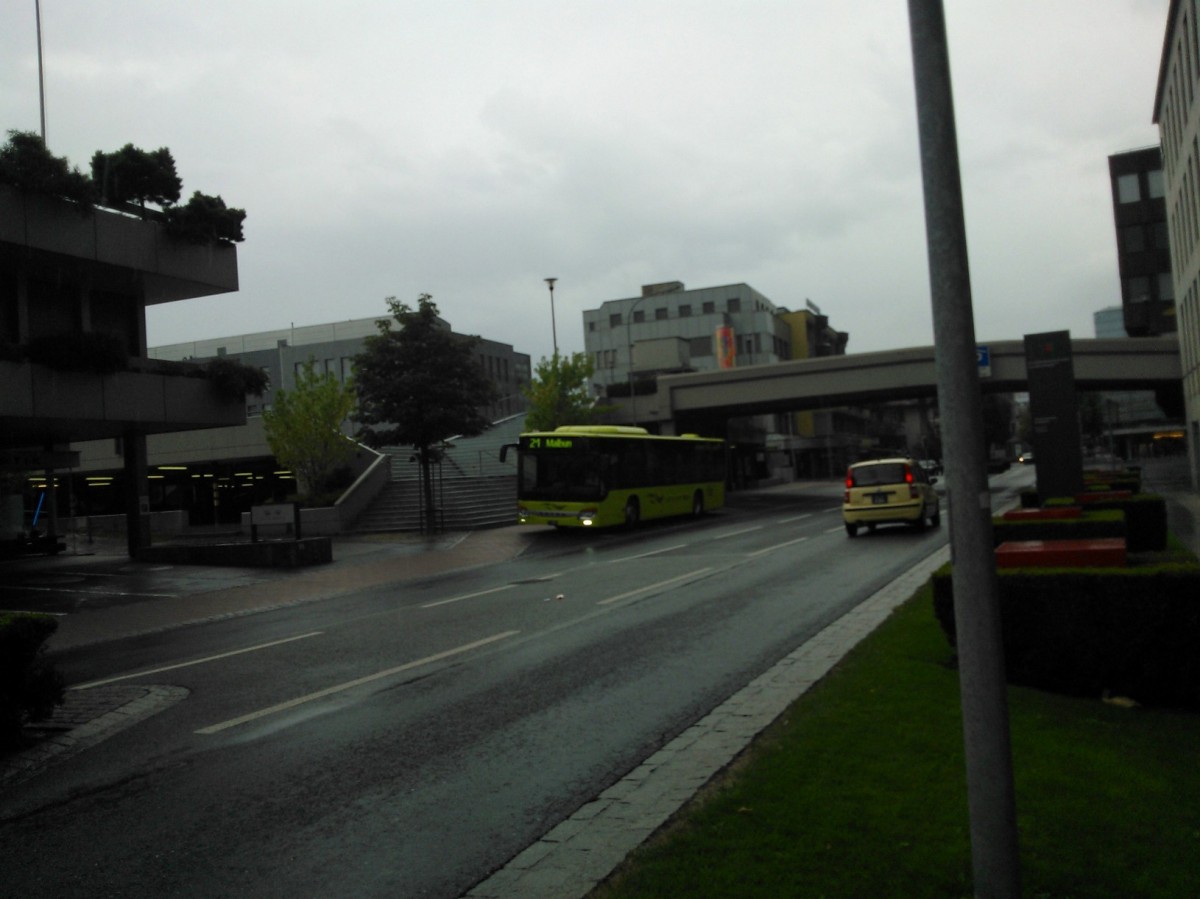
point(591, 326)
point(1166, 287)
point(1154, 181)
point(1137, 290)
point(660, 314)
point(699, 347)
point(1160, 236)
point(709, 308)
point(685, 311)
point(614, 320)
point(733, 304)
point(1132, 239)
point(1128, 189)
point(639, 315)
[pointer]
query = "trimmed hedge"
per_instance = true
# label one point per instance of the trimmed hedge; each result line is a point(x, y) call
point(1145, 518)
point(30, 688)
point(1091, 525)
point(1089, 632)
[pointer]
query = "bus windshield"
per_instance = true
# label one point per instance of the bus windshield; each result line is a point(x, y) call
point(572, 476)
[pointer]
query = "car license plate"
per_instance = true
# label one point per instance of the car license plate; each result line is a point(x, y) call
point(879, 499)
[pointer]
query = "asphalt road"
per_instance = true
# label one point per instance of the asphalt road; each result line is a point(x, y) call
point(408, 740)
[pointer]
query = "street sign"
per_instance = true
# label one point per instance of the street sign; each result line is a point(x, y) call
point(983, 359)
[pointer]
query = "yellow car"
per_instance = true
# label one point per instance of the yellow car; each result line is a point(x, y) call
point(884, 491)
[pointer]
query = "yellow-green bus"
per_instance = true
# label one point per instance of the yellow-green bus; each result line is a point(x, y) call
point(603, 475)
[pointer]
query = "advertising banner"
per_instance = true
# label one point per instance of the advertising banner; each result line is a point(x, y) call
point(726, 347)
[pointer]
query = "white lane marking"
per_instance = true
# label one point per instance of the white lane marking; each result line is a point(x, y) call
point(757, 527)
point(796, 518)
point(349, 685)
point(834, 530)
point(653, 552)
point(445, 602)
point(834, 509)
point(649, 587)
point(770, 549)
point(223, 655)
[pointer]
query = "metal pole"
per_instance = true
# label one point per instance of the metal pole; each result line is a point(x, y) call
point(37, 8)
point(553, 327)
point(990, 793)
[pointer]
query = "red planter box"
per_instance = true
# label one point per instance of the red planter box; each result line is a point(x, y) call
point(1052, 512)
point(1101, 553)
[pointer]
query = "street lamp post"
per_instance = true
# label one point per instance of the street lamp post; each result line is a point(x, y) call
point(553, 326)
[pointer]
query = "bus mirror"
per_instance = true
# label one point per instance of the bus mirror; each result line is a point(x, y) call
point(504, 448)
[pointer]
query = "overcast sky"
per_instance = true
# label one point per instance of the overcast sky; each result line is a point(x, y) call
point(471, 148)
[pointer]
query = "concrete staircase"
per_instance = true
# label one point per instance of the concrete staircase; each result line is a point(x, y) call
point(472, 489)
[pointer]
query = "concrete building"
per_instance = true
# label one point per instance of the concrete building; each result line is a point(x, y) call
point(1143, 248)
point(1177, 114)
point(669, 329)
point(213, 477)
point(74, 366)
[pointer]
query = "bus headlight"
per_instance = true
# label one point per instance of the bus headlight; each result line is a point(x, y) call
point(587, 516)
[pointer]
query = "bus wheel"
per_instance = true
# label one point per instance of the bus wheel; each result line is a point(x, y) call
point(698, 504)
point(632, 512)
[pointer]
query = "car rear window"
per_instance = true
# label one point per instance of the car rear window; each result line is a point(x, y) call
point(885, 473)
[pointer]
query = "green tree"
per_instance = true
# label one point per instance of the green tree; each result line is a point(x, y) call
point(560, 393)
point(26, 164)
point(131, 175)
point(304, 428)
point(204, 219)
point(420, 384)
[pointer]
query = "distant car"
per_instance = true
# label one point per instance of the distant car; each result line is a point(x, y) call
point(888, 491)
point(1026, 457)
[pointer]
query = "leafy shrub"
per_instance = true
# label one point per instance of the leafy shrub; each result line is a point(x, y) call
point(1091, 525)
point(204, 219)
point(234, 379)
point(131, 175)
point(1086, 632)
point(27, 165)
point(30, 688)
point(79, 351)
point(1145, 518)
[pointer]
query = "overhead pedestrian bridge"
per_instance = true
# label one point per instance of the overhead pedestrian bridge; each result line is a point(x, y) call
point(867, 378)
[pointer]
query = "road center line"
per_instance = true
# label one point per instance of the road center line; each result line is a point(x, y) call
point(757, 527)
point(769, 549)
point(649, 587)
point(223, 655)
point(653, 552)
point(795, 518)
point(444, 602)
point(349, 685)
point(834, 530)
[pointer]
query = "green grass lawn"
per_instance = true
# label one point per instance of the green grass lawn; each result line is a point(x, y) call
point(859, 790)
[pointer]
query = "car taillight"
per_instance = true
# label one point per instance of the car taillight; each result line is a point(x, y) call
point(849, 478)
point(908, 475)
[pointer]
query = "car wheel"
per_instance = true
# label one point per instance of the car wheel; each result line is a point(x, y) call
point(698, 504)
point(936, 520)
point(919, 524)
point(632, 512)
point(851, 529)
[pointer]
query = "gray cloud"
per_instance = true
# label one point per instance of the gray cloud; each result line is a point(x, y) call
point(470, 150)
